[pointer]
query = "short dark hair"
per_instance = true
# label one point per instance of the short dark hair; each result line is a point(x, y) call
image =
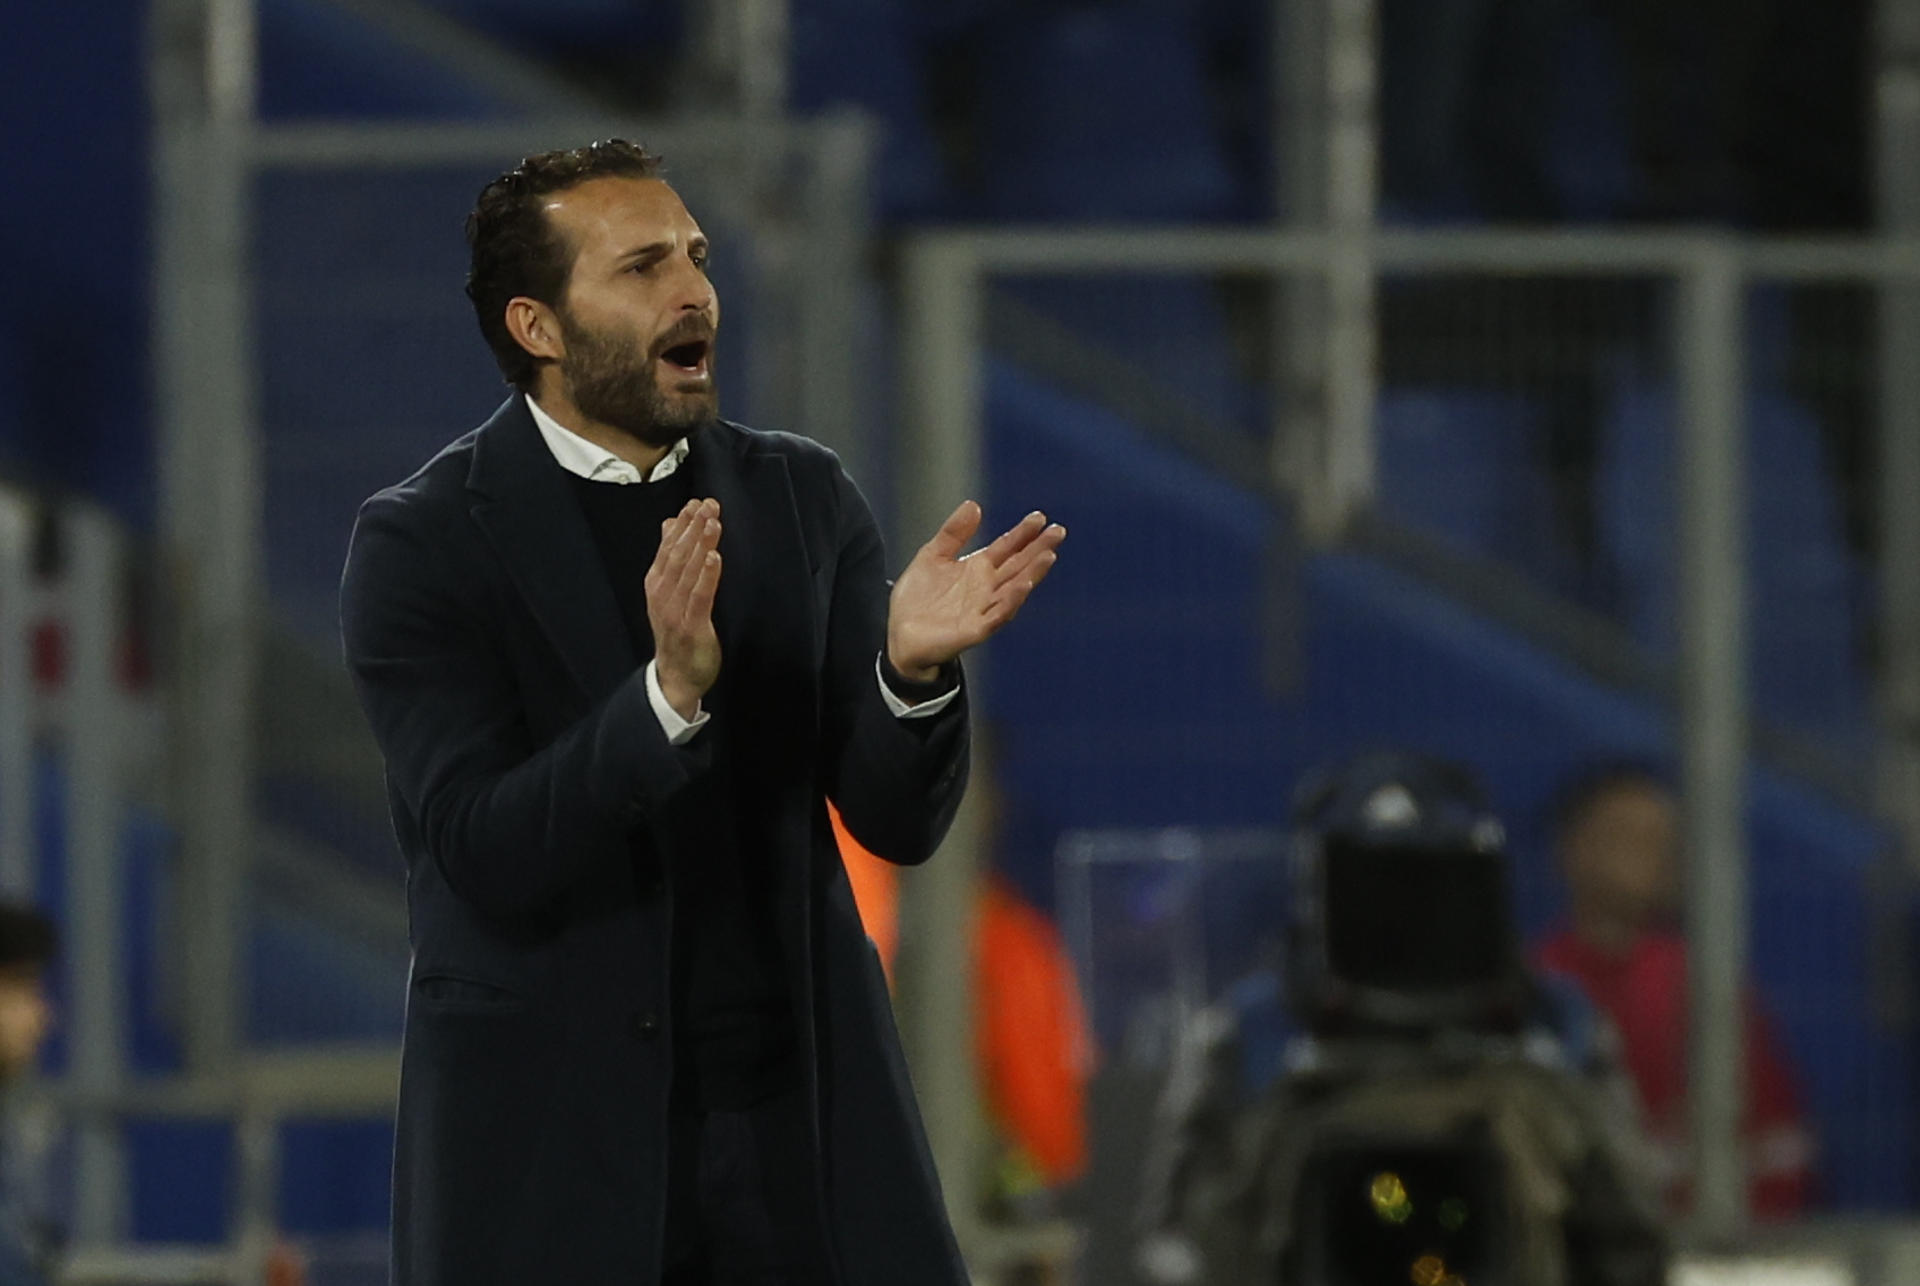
point(515, 249)
point(27, 938)
point(1597, 782)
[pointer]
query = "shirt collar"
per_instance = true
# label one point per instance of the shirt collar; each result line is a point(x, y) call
point(595, 463)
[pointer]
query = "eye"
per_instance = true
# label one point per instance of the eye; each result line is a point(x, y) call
point(700, 259)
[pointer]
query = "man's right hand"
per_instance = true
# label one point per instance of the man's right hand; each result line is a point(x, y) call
point(680, 589)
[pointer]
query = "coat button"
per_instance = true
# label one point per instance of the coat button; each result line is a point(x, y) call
point(645, 1026)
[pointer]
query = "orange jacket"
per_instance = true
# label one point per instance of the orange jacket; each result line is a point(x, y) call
point(1030, 1029)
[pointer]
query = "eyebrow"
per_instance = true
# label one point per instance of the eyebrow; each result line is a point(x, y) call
point(657, 249)
point(651, 251)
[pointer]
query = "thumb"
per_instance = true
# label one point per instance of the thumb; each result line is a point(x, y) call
point(956, 531)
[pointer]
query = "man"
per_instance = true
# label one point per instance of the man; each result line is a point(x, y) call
point(1618, 832)
point(619, 654)
point(27, 945)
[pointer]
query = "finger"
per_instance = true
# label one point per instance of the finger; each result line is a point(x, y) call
point(1010, 598)
point(703, 538)
point(1005, 607)
point(1043, 546)
point(667, 581)
point(1028, 581)
point(705, 584)
point(670, 534)
point(1016, 538)
point(956, 531)
point(679, 548)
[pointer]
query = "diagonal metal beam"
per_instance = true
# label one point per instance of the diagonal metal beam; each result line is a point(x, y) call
point(518, 81)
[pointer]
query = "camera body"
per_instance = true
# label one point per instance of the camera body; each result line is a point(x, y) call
point(1435, 1113)
point(1437, 1121)
point(1400, 911)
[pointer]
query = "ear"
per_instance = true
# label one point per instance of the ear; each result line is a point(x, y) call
point(535, 327)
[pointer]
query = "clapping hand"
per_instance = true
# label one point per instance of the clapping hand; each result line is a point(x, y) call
point(945, 602)
point(680, 588)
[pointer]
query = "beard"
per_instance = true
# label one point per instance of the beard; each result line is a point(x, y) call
point(613, 379)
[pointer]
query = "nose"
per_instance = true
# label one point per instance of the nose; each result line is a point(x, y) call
point(696, 292)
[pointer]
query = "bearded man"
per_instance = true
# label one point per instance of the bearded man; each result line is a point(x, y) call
point(619, 653)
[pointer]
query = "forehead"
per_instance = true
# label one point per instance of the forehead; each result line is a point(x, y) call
point(1628, 803)
point(614, 215)
point(26, 974)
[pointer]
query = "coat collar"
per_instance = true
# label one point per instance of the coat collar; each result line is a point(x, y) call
point(523, 501)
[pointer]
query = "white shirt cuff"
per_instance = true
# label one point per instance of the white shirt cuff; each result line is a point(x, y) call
point(901, 709)
point(679, 731)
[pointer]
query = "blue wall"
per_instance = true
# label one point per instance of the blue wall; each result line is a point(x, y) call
point(74, 396)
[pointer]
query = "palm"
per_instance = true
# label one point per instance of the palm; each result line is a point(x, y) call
point(945, 603)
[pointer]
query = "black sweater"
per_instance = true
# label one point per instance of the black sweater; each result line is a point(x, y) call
point(732, 1014)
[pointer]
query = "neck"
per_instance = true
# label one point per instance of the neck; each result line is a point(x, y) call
point(555, 402)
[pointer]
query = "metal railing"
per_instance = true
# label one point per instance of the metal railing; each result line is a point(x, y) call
point(262, 1093)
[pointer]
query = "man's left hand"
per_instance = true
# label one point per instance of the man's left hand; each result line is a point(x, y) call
point(945, 603)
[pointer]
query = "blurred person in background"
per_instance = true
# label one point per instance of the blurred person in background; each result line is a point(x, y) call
point(1618, 835)
point(647, 1040)
point(27, 944)
point(1031, 1034)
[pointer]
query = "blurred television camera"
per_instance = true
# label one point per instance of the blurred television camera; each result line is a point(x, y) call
point(1427, 1111)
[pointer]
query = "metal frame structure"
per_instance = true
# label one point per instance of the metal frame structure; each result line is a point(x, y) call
point(946, 274)
point(98, 729)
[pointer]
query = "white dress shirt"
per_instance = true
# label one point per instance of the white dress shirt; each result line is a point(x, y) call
point(597, 464)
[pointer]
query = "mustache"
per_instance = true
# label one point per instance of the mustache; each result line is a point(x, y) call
point(690, 329)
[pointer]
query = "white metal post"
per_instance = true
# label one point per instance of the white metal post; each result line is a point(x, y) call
point(96, 930)
point(1301, 107)
point(834, 297)
point(740, 54)
point(210, 519)
point(1353, 59)
point(940, 464)
point(1714, 725)
point(19, 873)
point(1897, 184)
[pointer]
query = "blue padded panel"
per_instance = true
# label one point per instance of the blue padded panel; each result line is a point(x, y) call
point(182, 1176)
point(574, 27)
point(1173, 330)
point(335, 1176)
point(75, 369)
point(1589, 159)
point(1468, 466)
point(309, 982)
point(320, 61)
point(865, 54)
point(1805, 591)
point(1101, 112)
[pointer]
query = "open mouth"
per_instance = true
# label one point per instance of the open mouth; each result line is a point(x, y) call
point(690, 357)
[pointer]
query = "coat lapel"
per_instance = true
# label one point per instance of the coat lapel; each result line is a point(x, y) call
point(526, 507)
point(765, 599)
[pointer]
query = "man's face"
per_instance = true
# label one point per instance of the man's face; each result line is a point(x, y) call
point(639, 316)
point(1622, 854)
point(25, 1018)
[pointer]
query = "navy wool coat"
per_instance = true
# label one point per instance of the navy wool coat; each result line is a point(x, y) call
point(541, 810)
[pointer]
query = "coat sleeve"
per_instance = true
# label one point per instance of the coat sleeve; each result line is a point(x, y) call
point(510, 825)
point(897, 782)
